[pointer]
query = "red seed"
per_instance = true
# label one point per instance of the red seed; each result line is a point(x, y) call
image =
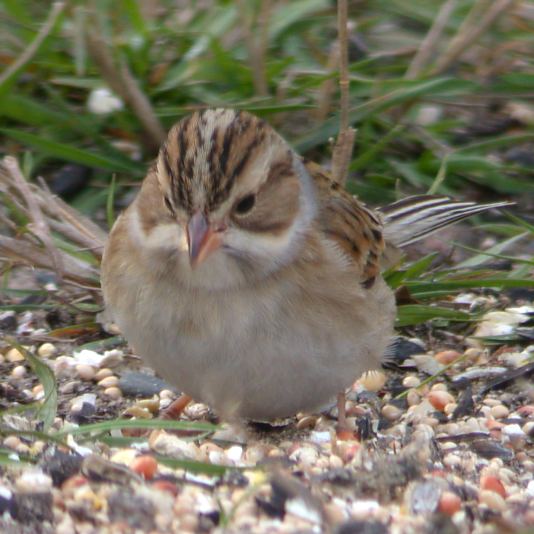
point(449, 503)
point(439, 399)
point(145, 466)
point(492, 483)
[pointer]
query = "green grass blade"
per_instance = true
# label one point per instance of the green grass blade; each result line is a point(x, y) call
point(48, 409)
point(71, 153)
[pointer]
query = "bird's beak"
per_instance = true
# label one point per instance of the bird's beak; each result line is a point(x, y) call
point(202, 239)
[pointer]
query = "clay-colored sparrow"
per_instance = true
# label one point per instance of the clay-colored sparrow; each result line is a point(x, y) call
point(249, 279)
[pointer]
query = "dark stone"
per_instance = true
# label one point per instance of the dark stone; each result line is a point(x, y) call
point(70, 179)
point(207, 521)
point(362, 527)
point(32, 507)
point(466, 404)
point(132, 509)
point(8, 321)
point(60, 465)
point(508, 378)
point(235, 479)
point(489, 448)
point(6, 502)
point(135, 384)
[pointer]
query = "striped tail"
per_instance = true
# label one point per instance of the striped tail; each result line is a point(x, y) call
point(413, 218)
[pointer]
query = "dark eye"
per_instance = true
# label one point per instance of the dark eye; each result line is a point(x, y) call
point(245, 204)
point(168, 205)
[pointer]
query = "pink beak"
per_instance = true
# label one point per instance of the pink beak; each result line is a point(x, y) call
point(202, 239)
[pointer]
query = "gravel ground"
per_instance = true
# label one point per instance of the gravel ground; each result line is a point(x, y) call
point(455, 455)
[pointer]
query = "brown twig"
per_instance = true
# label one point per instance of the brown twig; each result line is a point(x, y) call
point(39, 226)
point(430, 42)
point(122, 82)
point(31, 50)
point(343, 148)
point(473, 27)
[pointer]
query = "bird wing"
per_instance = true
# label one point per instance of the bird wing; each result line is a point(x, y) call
point(349, 223)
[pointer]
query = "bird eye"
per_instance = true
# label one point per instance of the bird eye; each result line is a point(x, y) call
point(245, 204)
point(168, 204)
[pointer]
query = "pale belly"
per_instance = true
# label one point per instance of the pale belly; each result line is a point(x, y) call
point(263, 356)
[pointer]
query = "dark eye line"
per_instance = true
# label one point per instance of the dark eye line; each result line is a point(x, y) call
point(244, 205)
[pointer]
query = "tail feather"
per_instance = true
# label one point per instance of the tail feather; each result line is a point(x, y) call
point(413, 218)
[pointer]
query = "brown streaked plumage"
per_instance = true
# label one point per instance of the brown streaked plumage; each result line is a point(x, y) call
point(249, 279)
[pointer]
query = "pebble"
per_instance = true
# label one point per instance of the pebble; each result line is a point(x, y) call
point(411, 381)
point(33, 481)
point(136, 384)
point(492, 500)
point(38, 392)
point(391, 412)
point(113, 392)
point(108, 382)
point(413, 398)
point(305, 456)
point(18, 372)
point(446, 357)
point(14, 355)
point(168, 444)
point(452, 460)
point(11, 442)
point(103, 373)
point(85, 372)
point(500, 411)
point(439, 399)
point(47, 350)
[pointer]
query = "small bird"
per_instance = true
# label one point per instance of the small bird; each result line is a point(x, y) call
point(251, 280)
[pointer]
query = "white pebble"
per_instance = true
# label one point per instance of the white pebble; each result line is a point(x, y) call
point(33, 481)
point(18, 372)
point(113, 392)
point(411, 382)
point(500, 411)
point(234, 453)
point(46, 350)
point(85, 372)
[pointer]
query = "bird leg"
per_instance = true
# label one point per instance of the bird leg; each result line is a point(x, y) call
point(341, 413)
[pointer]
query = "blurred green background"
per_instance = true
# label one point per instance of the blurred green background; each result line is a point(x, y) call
point(441, 92)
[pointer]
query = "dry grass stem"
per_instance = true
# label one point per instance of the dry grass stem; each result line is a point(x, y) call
point(429, 44)
point(345, 141)
point(27, 55)
point(47, 214)
point(477, 22)
point(121, 81)
point(39, 226)
point(257, 47)
point(328, 87)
